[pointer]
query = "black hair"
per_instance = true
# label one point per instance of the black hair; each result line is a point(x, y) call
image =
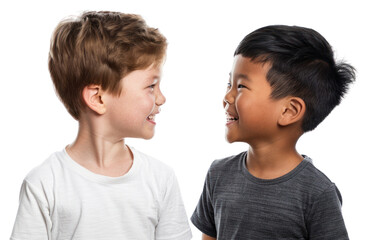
point(302, 65)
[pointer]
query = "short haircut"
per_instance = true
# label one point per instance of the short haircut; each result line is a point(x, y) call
point(100, 48)
point(302, 65)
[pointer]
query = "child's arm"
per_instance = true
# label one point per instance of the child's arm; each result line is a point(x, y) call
point(173, 223)
point(203, 216)
point(33, 220)
point(325, 219)
point(206, 237)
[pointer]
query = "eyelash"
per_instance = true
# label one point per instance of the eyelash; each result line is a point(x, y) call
point(229, 85)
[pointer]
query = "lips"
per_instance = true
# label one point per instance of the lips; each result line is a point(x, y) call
point(151, 118)
point(231, 118)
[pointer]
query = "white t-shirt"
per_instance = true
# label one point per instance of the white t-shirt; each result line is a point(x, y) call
point(60, 199)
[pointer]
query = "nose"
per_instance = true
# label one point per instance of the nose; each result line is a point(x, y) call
point(160, 98)
point(228, 98)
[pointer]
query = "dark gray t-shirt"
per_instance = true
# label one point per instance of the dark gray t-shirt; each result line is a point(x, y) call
point(303, 204)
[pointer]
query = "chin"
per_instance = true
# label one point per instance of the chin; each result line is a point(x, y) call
point(229, 139)
point(148, 136)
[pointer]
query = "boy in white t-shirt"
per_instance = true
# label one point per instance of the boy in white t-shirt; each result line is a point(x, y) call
point(106, 68)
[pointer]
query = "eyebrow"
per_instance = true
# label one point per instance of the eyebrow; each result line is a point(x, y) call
point(241, 76)
point(155, 78)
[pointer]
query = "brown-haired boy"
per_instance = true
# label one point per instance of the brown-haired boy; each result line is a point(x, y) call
point(106, 68)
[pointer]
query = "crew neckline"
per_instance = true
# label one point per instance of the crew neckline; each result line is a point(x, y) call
point(277, 180)
point(84, 172)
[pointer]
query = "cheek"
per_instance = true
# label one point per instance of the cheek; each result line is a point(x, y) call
point(250, 111)
point(146, 103)
point(150, 101)
point(246, 107)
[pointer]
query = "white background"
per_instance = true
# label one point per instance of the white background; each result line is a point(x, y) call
point(202, 37)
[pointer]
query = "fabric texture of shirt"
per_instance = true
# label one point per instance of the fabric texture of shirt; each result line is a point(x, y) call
point(60, 199)
point(303, 204)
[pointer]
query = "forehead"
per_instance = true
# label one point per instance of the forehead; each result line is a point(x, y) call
point(244, 66)
point(142, 75)
point(154, 70)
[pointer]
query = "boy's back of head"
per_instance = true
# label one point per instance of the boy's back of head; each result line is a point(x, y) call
point(100, 48)
point(302, 65)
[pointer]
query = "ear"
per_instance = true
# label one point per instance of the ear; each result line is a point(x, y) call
point(293, 111)
point(92, 95)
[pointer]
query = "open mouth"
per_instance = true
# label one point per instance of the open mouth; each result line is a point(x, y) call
point(151, 118)
point(231, 119)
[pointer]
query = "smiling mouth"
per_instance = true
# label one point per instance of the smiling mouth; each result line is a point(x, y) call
point(151, 119)
point(231, 119)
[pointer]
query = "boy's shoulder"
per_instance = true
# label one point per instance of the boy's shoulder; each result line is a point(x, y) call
point(45, 170)
point(58, 167)
point(150, 161)
point(230, 163)
point(149, 164)
point(304, 175)
point(314, 179)
point(56, 162)
point(227, 170)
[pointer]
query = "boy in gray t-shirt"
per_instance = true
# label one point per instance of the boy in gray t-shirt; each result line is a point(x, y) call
point(283, 83)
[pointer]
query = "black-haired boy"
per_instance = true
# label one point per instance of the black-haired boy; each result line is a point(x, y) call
point(284, 82)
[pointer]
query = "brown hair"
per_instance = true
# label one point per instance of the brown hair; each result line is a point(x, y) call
point(100, 48)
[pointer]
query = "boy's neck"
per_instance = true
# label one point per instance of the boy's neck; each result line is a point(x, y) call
point(92, 150)
point(271, 161)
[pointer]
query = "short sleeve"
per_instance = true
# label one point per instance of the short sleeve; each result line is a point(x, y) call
point(173, 222)
point(33, 220)
point(325, 220)
point(203, 216)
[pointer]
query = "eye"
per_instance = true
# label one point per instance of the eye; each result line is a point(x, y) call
point(241, 86)
point(229, 85)
point(152, 86)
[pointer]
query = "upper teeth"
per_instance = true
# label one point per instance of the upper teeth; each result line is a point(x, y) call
point(151, 117)
point(231, 118)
